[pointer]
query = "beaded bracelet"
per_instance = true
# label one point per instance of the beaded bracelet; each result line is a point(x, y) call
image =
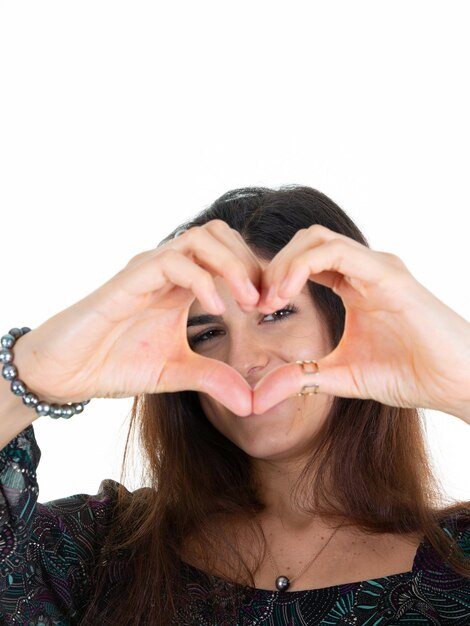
point(10, 373)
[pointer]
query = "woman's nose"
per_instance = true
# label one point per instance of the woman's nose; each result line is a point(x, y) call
point(249, 356)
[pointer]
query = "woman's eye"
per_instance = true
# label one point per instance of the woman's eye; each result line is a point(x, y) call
point(205, 336)
point(283, 313)
point(277, 316)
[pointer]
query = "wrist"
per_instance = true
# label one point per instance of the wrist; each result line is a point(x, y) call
point(24, 360)
point(32, 397)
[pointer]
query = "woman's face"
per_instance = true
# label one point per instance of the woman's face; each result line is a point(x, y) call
point(254, 343)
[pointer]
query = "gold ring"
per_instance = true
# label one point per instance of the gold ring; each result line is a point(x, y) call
point(306, 389)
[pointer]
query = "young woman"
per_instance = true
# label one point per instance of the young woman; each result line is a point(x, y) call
point(279, 366)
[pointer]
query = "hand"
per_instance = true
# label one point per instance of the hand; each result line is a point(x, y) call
point(401, 345)
point(129, 336)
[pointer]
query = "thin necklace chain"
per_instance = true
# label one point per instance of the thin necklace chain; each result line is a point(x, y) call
point(274, 565)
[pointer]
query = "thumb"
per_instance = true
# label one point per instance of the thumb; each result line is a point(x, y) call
point(219, 380)
point(289, 380)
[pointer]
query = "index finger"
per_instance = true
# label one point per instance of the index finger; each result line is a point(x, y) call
point(233, 240)
point(241, 262)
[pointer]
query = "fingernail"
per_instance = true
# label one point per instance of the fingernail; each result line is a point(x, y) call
point(251, 289)
point(270, 294)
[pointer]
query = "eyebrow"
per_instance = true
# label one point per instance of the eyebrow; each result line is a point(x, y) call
point(199, 320)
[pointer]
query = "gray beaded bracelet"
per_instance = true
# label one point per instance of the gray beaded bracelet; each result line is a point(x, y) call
point(10, 373)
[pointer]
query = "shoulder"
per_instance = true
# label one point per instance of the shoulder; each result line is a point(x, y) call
point(457, 526)
point(82, 510)
point(49, 548)
point(93, 514)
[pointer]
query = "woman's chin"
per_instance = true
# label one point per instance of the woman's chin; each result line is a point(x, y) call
point(268, 435)
point(278, 434)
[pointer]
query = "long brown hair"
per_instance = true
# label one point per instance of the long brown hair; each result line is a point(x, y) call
point(371, 456)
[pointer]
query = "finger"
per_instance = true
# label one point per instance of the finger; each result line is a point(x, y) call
point(233, 240)
point(219, 380)
point(223, 260)
point(277, 263)
point(356, 265)
point(177, 269)
point(281, 383)
point(289, 380)
point(303, 241)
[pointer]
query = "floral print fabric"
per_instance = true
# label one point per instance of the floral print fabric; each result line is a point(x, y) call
point(47, 551)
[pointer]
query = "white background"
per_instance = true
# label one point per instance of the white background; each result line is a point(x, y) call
point(120, 119)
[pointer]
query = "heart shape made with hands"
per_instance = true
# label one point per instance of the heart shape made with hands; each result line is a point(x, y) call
point(315, 253)
point(290, 379)
point(385, 352)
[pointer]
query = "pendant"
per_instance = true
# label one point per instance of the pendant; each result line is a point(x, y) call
point(282, 583)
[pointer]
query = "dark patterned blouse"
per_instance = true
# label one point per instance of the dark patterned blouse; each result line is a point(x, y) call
point(47, 552)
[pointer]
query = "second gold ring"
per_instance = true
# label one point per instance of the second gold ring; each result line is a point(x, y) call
point(309, 367)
